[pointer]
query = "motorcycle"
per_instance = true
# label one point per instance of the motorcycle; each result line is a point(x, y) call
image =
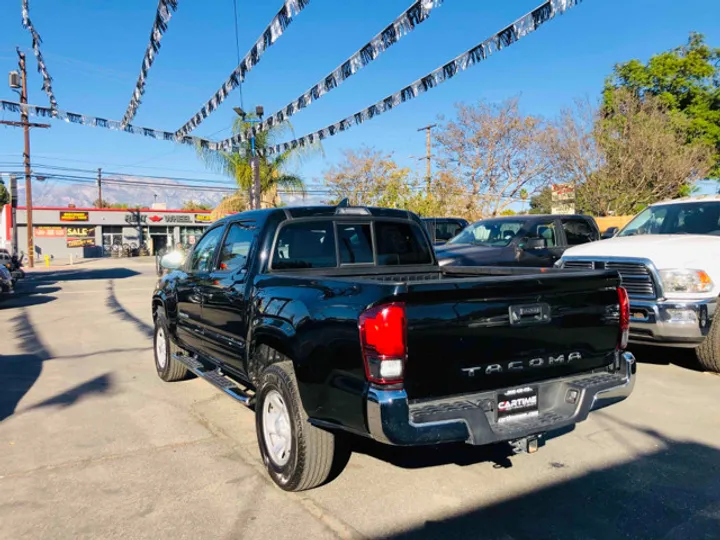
point(15, 267)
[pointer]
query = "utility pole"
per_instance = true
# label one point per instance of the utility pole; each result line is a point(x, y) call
point(21, 85)
point(99, 183)
point(26, 155)
point(428, 154)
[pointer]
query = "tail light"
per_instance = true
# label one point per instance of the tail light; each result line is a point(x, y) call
point(382, 338)
point(624, 303)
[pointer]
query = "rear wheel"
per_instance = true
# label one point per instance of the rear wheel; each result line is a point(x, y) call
point(168, 368)
point(708, 353)
point(297, 455)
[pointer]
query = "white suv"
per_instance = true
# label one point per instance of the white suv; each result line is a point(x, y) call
point(669, 259)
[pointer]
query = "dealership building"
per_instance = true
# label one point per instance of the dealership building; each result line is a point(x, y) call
point(92, 232)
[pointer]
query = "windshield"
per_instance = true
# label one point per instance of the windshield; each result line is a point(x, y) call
point(679, 218)
point(489, 232)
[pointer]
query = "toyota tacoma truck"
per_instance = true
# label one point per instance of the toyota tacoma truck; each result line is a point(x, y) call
point(331, 321)
point(669, 259)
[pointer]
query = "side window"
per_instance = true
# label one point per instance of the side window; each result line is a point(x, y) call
point(204, 252)
point(309, 244)
point(546, 231)
point(355, 242)
point(578, 232)
point(236, 247)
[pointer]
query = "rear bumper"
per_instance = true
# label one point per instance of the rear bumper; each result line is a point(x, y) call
point(671, 323)
point(393, 420)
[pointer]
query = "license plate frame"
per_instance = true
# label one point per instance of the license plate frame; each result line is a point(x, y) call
point(517, 403)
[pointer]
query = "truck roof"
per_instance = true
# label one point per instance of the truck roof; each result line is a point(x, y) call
point(294, 212)
point(692, 199)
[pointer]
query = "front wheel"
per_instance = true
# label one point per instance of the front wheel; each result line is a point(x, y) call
point(708, 353)
point(297, 455)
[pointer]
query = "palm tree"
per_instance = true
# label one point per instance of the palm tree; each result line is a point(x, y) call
point(274, 174)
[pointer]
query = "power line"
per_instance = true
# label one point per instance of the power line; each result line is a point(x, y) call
point(237, 48)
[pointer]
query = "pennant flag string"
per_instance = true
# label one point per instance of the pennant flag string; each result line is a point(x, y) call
point(42, 68)
point(163, 15)
point(276, 28)
point(93, 121)
point(509, 35)
point(401, 26)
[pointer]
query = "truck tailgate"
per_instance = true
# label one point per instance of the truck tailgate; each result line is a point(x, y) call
point(469, 335)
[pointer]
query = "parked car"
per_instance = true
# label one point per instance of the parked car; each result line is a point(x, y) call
point(525, 240)
point(669, 260)
point(335, 320)
point(443, 229)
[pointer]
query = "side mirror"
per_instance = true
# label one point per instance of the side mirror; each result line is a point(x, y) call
point(172, 260)
point(535, 243)
point(610, 232)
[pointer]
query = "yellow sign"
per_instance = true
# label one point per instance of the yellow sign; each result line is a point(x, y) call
point(81, 232)
point(80, 242)
point(203, 218)
point(74, 216)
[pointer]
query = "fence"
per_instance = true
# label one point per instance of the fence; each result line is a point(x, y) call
point(605, 223)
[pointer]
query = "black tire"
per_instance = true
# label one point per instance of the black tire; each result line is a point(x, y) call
point(708, 353)
point(170, 370)
point(315, 453)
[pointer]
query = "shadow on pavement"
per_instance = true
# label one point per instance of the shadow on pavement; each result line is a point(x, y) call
point(99, 385)
point(117, 309)
point(19, 372)
point(672, 494)
point(684, 358)
point(82, 274)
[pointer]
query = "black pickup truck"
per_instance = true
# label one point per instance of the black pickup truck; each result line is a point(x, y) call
point(336, 320)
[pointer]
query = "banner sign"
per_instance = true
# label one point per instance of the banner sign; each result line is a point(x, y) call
point(49, 232)
point(42, 69)
point(81, 232)
point(162, 17)
point(415, 15)
point(506, 37)
point(93, 121)
point(80, 242)
point(74, 216)
point(276, 28)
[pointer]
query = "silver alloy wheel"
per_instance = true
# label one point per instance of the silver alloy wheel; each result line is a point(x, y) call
point(160, 347)
point(276, 428)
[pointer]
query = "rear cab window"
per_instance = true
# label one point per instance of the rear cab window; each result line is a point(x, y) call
point(328, 243)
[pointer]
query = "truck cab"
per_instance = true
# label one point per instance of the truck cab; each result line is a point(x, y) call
point(668, 257)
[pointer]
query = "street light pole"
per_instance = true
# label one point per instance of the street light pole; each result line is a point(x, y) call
point(255, 185)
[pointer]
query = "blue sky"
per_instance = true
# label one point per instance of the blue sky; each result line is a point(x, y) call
point(93, 50)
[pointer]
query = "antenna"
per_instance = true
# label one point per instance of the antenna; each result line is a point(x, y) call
point(345, 203)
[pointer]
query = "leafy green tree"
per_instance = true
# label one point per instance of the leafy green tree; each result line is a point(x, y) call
point(4, 194)
point(686, 80)
point(275, 175)
point(106, 204)
point(542, 202)
point(194, 205)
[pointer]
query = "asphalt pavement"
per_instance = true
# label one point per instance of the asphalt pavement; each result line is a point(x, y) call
point(94, 445)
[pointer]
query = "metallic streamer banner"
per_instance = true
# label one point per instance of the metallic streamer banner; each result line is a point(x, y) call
point(42, 68)
point(276, 28)
point(163, 15)
point(506, 37)
point(415, 15)
point(93, 121)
